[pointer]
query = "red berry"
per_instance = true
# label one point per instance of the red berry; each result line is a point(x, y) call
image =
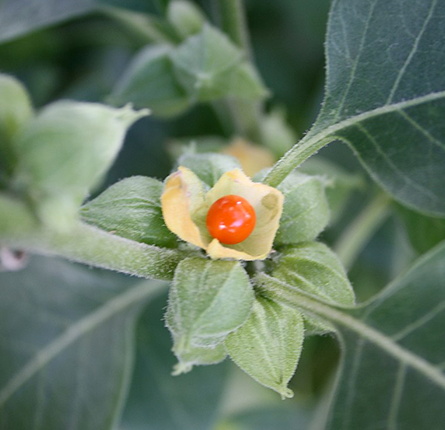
point(231, 219)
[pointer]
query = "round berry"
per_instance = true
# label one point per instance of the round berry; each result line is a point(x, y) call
point(231, 219)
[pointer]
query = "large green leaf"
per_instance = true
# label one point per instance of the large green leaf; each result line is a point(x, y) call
point(385, 94)
point(66, 340)
point(158, 400)
point(392, 375)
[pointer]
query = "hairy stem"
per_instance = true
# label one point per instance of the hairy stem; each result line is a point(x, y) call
point(294, 157)
point(360, 231)
point(20, 229)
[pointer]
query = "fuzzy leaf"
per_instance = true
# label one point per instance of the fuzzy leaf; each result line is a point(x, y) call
point(208, 299)
point(305, 210)
point(385, 94)
point(150, 82)
point(314, 268)
point(208, 167)
point(210, 67)
point(65, 151)
point(131, 209)
point(268, 345)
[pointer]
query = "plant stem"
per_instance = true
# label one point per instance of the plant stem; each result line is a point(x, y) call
point(360, 231)
point(294, 157)
point(232, 19)
point(20, 229)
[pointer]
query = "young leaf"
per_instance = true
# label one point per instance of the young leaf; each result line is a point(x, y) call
point(15, 112)
point(208, 167)
point(186, 17)
point(132, 209)
point(305, 210)
point(268, 345)
point(157, 400)
point(314, 268)
point(208, 300)
point(210, 67)
point(66, 342)
point(151, 82)
point(385, 94)
point(64, 152)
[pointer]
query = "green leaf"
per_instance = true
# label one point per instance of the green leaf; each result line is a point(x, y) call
point(268, 345)
point(132, 209)
point(66, 342)
point(65, 151)
point(15, 111)
point(186, 17)
point(314, 268)
point(394, 341)
point(150, 82)
point(385, 94)
point(424, 232)
point(277, 135)
point(209, 167)
point(208, 300)
point(157, 400)
point(211, 67)
point(305, 211)
point(339, 184)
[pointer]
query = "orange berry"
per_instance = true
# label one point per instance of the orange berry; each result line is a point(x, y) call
point(231, 219)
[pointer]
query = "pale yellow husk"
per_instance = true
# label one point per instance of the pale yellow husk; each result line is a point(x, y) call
point(185, 206)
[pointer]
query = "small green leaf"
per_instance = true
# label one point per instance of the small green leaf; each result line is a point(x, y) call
point(209, 167)
point(314, 268)
point(131, 209)
point(15, 112)
point(339, 184)
point(151, 82)
point(64, 152)
point(277, 135)
point(268, 345)
point(424, 232)
point(210, 67)
point(208, 299)
point(186, 17)
point(305, 210)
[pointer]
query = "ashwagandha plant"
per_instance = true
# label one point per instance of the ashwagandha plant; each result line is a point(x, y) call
point(234, 233)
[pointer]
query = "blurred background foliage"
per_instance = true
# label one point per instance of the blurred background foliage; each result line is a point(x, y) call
point(82, 59)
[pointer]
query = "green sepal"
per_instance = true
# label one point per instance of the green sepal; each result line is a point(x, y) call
point(186, 17)
point(269, 344)
point(305, 211)
point(15, 111)
point(208, 299)
point(131, 209)
point(197, 356)
point(209, 167)
point(64, 152)
point(211, 67)
point(314, 268)
point(150, 82)
point(339, 184)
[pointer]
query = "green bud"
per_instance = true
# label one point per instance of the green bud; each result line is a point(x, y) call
point(211, 67)
point(269, 344)
point(150, 81)
point(209, 167)
point(15, 112)
point(186, 17)
point(131, 209)
point(314, 268)
point(277, 135)
point(65, 151)
point(305, 211)
point(208, 300)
